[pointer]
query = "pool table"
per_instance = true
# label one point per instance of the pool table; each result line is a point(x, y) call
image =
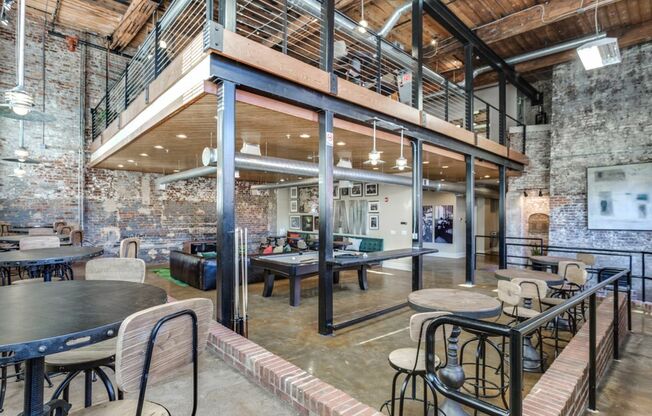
point(296, 266)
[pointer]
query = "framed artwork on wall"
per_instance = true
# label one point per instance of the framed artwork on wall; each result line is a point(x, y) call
point(336, 192)
point(295, 222)
point(294, 192)
point(315, 224)
point(356, 190)
point(374, 206)
point(374, 221)
point(619, 197)
point(309, 200)
point(345, 191)
point(307, 222)
point(294, 206)
point(428, 224)
point(370, 189)
point(443, 219)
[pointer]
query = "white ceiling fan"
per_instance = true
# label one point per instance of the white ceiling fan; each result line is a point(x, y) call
point(402, 162)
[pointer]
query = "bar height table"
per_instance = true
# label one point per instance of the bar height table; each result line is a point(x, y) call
point(543, 262)
point(459, 302)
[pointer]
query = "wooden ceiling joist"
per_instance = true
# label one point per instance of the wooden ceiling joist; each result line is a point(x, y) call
point(132, 22)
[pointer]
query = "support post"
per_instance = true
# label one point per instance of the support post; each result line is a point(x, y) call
point(225, 200)
point(227, 13)
point(502, 224)
point(516, 373)
point(468, 85)
point(157, 69)
point(616, 329)
point(379, 65)
point(417, 223)
point(470, 202)
point(417, 54)
point(502, 109)
point(285, 27)
point(326, 222)
point(326, 44)
point(592, 353)
point(446, 99)
point(126, 85)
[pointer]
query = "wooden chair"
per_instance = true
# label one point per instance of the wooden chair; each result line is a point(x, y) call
point(40, 231)
point(411, 361)
point(129, 247)
point(34, 243)
point(4, 228)
point(65, 230)
point(57, 225)
point(76, 238)
point(91, 359)
point(152, 345)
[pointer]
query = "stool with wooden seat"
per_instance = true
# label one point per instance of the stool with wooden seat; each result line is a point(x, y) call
point(169, 329)
point(90, 360)
point(575, 276)
point(35, 243)
point(411, 361)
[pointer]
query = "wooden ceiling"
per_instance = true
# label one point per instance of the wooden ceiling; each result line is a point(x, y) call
point(278, 134)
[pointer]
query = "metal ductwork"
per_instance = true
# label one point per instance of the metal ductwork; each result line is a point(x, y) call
point(394, 18)
point(300, 168)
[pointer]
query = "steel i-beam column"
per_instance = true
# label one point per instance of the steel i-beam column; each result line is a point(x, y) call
point(470, 223)
point(417, 54)
point(468, 85)
point(225, 203)
point(502, 108)
point(417, 202)
point(227, 14)
point(502, 225)
point(326, 222)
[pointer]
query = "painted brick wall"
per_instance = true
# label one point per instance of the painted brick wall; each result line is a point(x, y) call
point(117, 204)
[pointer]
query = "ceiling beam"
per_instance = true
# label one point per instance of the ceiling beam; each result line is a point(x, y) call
point(132, 22)
point(525, 20)
point(114, 6)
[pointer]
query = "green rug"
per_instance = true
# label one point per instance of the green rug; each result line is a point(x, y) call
point(164, 273)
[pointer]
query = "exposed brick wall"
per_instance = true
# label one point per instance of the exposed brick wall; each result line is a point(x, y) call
point(117, 204)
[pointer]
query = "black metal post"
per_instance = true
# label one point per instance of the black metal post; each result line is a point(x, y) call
point(327, 39)
point(486, 122)
point(106, 90)
point(470, 202)
point(417, 222)
point(468, 84)
point(446, 99)
point(285, 27)
point(417, 54)
point(227, 13)
point(379, 65)
point(126, 85)
point(502, 109)
point(502, 213)
point(592, 353)
point(225, 199)
point(524, 138)
point(616, 321)
point(326, 221)
point(516, 373)
point(157, 70)
point(33, 389)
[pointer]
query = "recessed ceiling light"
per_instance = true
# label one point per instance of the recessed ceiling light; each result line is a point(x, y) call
point(181, 136)
point(376, 168)
point(176, 171)
point(442, 179)
point(144, 155)
point(158, 146)
point(304, 135)
point(445, 167)
point(121, 166)
point(309, 157)
point(425, 162)
point(341, 143)
point(487, 176)
point(131, 161)
point(282, 180)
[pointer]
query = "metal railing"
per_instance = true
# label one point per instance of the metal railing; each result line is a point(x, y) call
point(516, 334)
point(518, 254)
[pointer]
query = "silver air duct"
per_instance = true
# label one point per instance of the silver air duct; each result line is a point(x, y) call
point(394, 18)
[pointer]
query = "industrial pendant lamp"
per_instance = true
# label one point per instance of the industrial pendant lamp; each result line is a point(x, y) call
point(374, 155)
point(362, 24)
point(401, 162)
point(601, 52)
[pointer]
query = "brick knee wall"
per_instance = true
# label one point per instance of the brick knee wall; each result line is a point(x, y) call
point(303, 391)
point(563, 389)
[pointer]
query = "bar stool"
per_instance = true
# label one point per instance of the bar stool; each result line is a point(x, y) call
point(575, 276)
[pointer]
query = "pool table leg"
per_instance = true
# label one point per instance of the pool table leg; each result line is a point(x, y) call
point(295, 291)
point(336, 278)
point(362, 278)
point(269, 284)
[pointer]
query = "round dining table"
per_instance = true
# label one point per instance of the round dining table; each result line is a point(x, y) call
point(45, 258)
point(48, 318)
point(459, 302)
point(543, 262)
point(25, 230)
point(15, 239)
point(551, 279)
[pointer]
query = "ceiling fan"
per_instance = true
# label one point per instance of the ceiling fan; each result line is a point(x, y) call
point(401, 162)
point(21, 155)
point(16, 102)
point(374, 155)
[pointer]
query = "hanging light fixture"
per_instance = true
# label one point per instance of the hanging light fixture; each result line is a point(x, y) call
point(362, 24)
point(374, 155)
point(401, 162)
point(21, 153)
point(346, 164)
point(601, 52)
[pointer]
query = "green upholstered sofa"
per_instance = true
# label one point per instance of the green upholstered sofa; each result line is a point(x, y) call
point(368, 244)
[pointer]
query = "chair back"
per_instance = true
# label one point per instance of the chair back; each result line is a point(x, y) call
point(172, 345)
point(577, 276)
point(124, 269)
point(129, 247)
point(66, 230)
point(33, 243)
point(509, 292)
point(76, 238)
point(534, 289)
point(419, 323)
point(564, 266)
point(586, 258)
point(39, 231)
point(57, 226)
point(4, 229)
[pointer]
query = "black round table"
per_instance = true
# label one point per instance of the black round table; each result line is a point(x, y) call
point(15, 239)
point(46, 257)
point(49, 318)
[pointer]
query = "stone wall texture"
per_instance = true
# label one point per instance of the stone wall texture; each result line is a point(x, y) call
point(116, 204)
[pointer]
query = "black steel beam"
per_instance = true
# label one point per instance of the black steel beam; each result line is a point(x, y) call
point(502, 224)
point(327, 40)
point(417, 222)
point(325, 315)
point(261, 82)
point(502, 109)
point(470, 223)
point(444, 16)
point(417, 54)
point(225, 203)
point(468, 86)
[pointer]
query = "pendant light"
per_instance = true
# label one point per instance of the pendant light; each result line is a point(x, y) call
point(362, 24)
point(18, 104)
point(21, 153)
point(374, 155)
point(401, 162)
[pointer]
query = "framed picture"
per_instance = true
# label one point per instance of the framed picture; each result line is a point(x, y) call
point(316, 223)
point(307, 222)
point(370, 189)
point(428, 224)
point(374, 206)
point(374, 221)
point(336, 192)
point(294, 206)
point(619, 197)
point(294, 192)
point(356, 190)
point(443, 221)
point(295, 222)
point(309, 200)
point(344, 192)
